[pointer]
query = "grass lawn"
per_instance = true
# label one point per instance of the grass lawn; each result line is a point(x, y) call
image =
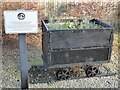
point(35, 62)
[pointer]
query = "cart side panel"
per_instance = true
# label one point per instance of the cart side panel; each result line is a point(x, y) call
point(80, 39)
point(45, 47)
point(79, 56)
point(111, 43)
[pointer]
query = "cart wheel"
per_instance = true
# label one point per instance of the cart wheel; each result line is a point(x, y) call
point(63, 74)
point(91, 71)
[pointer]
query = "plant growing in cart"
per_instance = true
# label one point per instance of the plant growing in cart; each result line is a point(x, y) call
point(82, 24)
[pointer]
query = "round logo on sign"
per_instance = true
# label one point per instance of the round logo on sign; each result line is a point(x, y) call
point(21, 16)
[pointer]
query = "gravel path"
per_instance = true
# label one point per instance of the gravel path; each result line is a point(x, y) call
point(103, 82)
point(1, 70)
point(11, 74)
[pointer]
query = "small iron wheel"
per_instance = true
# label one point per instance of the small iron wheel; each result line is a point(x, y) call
point(91, 71)
point(63, 74)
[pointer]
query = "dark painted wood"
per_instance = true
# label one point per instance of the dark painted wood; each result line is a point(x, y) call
point(79, 39)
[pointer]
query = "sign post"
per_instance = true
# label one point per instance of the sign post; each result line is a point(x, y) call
point(23, 61)
point(21, 22)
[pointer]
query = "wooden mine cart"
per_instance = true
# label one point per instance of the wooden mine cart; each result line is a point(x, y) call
point(71, 47)
point(68, 47)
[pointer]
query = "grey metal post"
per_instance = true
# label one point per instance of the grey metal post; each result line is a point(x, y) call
point(23, 61)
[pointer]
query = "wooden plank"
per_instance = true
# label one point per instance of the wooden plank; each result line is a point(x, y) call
point(79, 56)
point(79, 39)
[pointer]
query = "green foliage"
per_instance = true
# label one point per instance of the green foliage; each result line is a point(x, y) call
point(66, 25)
point(54, 26)
point(84, 24)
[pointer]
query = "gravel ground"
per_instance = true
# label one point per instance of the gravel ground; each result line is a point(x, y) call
point(11, 74)
point(103, 82)
point(1, 70)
